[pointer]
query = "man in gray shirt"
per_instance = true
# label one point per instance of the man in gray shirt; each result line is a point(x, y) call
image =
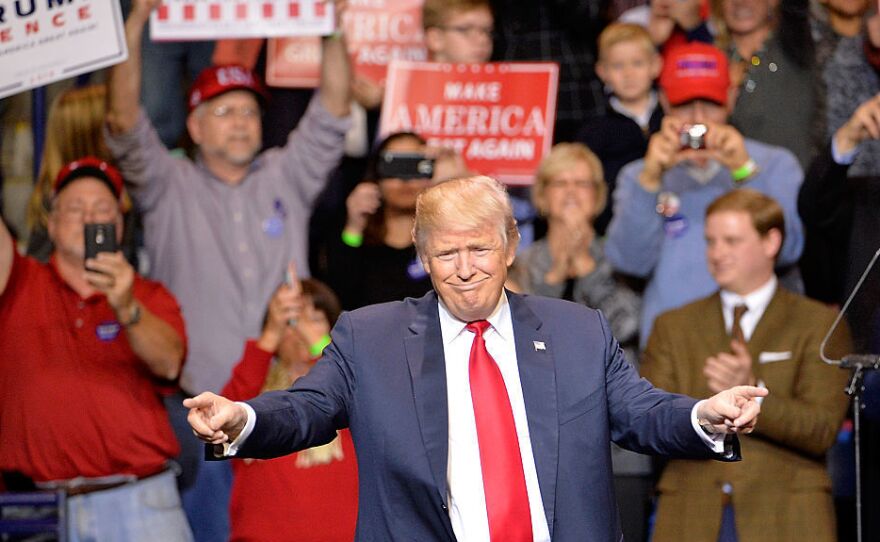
point(220, 231)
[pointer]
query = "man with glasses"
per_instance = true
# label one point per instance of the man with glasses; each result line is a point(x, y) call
point(221, 230)
point(87, 347)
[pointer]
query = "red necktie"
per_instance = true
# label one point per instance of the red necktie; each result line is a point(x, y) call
point(507, 500)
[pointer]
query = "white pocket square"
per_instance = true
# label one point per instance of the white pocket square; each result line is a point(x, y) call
point(770, 357)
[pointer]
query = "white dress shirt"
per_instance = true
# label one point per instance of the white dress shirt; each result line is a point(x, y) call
point(466, 497)
point(756, 303)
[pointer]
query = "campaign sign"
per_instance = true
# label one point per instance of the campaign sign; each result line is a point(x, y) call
point(498, 116)
point(221, 19)
point(42, 41)
point(376, 31)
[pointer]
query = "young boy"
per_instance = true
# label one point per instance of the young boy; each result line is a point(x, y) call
point(458, 30)
point(628, 65)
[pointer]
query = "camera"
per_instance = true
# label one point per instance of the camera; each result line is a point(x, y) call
point(404, 165)
point(693, 136)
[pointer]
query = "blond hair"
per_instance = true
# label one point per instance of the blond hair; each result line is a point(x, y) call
point(74, 128)
point(435, 12)
point(617, 33)
point(469, 203)
point(562, 157)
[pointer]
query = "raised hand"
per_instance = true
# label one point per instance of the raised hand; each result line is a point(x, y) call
point(864, 124)
point(112, 275)
point(663, 153)
point(362, 203)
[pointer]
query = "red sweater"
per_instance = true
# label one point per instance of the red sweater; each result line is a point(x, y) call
point(283, 499)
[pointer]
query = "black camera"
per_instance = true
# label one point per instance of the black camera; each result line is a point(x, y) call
point(693, 136)
point(404, 165)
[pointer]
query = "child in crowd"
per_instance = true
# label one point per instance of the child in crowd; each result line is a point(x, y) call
point(311, 494)
point(628, 65)
point(458, 30)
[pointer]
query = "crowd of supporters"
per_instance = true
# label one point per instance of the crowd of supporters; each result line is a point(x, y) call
point(248, 217)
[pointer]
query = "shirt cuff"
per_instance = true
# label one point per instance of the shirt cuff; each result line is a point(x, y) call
point(715, 441)
point(843, 159)
point(231, 448)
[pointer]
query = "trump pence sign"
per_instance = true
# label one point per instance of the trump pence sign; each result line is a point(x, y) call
point(217, 19)
point(498, 116)
point(42, 41)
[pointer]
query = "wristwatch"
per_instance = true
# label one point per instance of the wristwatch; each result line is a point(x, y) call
point(134, 315)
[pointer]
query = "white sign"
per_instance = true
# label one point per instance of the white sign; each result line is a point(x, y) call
point(223, 19)
point(42, 41)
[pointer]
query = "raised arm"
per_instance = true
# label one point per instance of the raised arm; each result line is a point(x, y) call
point(124, 84)
point(336, 78)
point(6, 248)
point(152, 339)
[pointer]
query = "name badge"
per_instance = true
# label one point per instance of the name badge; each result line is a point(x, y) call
point(675, 226)
point(108, 331)
point(415, 270)
point(274, 225)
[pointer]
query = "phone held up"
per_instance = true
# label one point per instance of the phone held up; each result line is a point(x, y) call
point(404, 165)
point(100, 238)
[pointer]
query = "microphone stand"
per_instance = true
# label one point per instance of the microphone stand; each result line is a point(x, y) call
point(859, 364)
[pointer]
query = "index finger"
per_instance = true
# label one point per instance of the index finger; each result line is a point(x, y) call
point(291, 278)
point(750, 392)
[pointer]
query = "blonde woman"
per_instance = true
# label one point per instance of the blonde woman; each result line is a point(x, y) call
point(568, 263)
point(73, 129)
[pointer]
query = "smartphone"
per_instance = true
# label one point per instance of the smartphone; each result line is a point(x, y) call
point(404, 165)
point(100, 238)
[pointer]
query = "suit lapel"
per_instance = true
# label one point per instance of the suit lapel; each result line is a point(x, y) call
point(767, 327)
point(534, 354)
point(427, 365)
point(713, 324)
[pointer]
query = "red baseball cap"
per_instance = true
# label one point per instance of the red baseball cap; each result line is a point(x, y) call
point(695, 71)
point(89, 166)
point(216, 80)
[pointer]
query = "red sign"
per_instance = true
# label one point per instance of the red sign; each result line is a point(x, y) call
point(499, 116)
point(377, 31)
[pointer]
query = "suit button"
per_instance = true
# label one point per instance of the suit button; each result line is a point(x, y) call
point(444, 507)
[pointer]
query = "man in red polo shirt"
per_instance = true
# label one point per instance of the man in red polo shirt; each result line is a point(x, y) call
point(86, 347)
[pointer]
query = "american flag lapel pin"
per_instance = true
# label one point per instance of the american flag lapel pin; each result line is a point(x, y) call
point(539, 346)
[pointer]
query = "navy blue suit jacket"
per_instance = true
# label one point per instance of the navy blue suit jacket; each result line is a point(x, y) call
point(384, 377)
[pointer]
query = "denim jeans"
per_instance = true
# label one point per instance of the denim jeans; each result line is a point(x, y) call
point(146, 510)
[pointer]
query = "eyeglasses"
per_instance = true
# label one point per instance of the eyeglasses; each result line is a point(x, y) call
point(576, 183)
point(228, 111)
point(77, 212)
point(471, 31)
